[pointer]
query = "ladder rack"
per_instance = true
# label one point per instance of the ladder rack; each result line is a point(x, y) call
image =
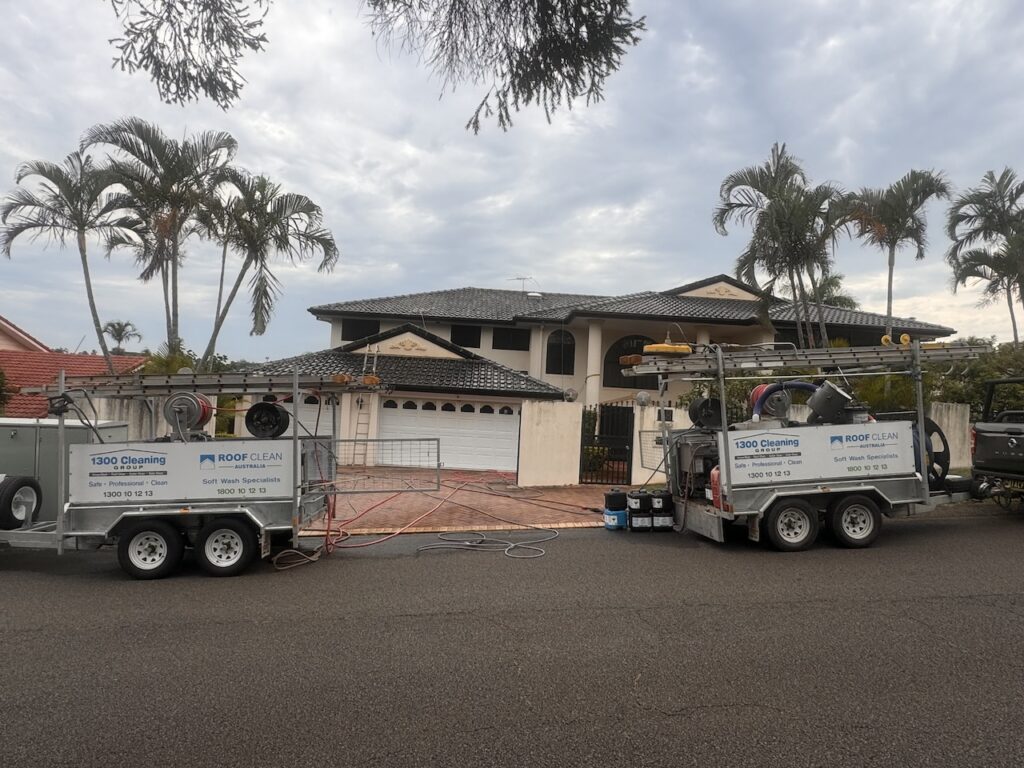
point(704, 361)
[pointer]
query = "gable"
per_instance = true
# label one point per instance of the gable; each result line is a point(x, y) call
point(407, 344)
point(720, 290)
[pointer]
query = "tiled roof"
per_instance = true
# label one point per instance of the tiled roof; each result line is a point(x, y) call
point(485, 304)
point(786, 313)
point(468, 374)
point(649, 304)
point(31, 369)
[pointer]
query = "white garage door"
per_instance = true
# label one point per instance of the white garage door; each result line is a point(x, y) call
point(477, 435)
point(314, 417)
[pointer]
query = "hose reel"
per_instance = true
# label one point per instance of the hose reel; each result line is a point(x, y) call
point(188, 411)
point(267, 420)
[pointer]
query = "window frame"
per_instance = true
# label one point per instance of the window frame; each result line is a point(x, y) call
point(566, 364)
point(351, 320)
point(520, 333)
point(461, 328)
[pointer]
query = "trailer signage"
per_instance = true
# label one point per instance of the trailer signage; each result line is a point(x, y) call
point(826, 452)
point(125, 472)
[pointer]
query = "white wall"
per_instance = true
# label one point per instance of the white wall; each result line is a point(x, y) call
point(954, 419)
point(549, 443)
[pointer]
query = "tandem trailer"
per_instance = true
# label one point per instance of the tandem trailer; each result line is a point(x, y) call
point(783, 477)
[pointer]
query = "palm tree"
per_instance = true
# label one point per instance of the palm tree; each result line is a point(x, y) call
point(70, 202)
point(986, 225)
point(268, 222)
point(893, 217)
point(166, 184)
point(120, 332)
point(832, 292)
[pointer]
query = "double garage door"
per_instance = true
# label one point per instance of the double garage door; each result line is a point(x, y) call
point(475, 435)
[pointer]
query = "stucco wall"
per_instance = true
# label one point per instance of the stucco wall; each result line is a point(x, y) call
point(954, 419)
point(549, 443)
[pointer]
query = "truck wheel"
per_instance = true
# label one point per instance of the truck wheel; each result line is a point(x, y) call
point(856, 521)
point(226, 546)
point(150, 549)
point(20, 498)
point(792, 525)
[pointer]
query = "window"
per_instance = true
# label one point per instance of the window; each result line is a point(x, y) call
point(629, 345)
point(390, 404)
point(467, 408)
point(311, 400)
point(270, 398)
point(505, 411)
point(409, 405)
point(665, 414)
point(486, 409)
point(561, 354)
point(429, 407)
point(466, 336)
point(448, 407)
point(353, 329)
point(517, 339)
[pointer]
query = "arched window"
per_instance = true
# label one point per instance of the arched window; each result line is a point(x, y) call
point(311, 400)
point(390, 404)
point(270, 398)
point(428, 406)
point(486, 409)
point(505, 411)
point(448, 407)
point(409, 405)
point(561, 353)
point(467, 408)
point(629, 345)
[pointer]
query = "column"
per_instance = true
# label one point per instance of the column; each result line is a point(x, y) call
point(595, 362)
point(537, 346)
point(703, 335)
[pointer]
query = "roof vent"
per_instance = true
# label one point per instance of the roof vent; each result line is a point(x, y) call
point(535, 295)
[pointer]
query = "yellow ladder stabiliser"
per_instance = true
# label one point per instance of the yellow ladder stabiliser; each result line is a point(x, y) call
point(668, 349)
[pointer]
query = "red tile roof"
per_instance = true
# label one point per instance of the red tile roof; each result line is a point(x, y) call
point(33, 369)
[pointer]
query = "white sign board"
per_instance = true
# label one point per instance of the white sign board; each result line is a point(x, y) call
point(118, 473)
point(815, 453)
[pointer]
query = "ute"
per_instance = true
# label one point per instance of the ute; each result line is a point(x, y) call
point(997, 444)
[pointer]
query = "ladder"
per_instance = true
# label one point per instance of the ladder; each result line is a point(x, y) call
point(362, 433)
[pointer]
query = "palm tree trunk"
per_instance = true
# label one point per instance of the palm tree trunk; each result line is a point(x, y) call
point(212, 345)
point(806, 309)
point(888, 301)
point(92, 301)
point(796, 310)
point(220, 286)
point(817, 302)
point(1013, 315)
point(167, 302)
point(174, 294)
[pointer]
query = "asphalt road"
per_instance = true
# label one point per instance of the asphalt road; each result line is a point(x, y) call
point(614, 649)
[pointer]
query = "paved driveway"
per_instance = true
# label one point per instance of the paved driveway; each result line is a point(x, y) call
point(613, 649)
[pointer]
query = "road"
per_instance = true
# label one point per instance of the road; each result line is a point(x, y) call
point(613, 649)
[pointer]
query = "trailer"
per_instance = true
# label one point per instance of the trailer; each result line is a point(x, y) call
point(227, 499)
point(783, 478)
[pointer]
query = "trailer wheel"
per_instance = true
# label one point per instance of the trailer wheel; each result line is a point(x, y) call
point(150, 549)
point(792, 525)
point(226, 546)
point(20, 498)
point(855, 520)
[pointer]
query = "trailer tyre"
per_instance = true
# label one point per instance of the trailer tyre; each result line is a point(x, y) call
point(855, 521)
point(792, 525)
point(20, 498)
point(226, 546)
point(150, 549)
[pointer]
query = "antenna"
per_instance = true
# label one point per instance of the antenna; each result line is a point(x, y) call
point(522, 282)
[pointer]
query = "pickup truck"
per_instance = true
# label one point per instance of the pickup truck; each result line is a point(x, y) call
point(997, 444)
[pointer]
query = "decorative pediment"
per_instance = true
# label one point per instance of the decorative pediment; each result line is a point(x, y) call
point(409, 345)
point(721, 290)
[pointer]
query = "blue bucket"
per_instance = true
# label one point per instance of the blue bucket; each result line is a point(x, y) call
point(615, 519)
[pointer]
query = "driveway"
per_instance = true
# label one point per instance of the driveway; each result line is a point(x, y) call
point(612, 649)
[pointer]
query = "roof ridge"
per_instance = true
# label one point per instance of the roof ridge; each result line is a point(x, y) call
point(595, 301)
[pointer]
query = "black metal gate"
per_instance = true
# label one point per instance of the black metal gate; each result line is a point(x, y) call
point(606, 452)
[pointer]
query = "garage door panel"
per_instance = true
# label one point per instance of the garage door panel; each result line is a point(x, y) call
point(468, 440)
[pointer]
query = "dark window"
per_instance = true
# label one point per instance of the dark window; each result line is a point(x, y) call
point(353, 329)
point(486, 409)
point(447, 407)
point(505, 411)
point(517, 339)
point(665, 414)
point(429, 407)
point(467, 408)
point(630, 345)
point(409, 405)
point(466, 336)
point(270, 398)
point(390, 404)
point(561, 353)
point(311, 400)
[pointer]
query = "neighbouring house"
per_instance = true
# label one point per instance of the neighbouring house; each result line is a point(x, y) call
point(14, 338)
point(493, 373)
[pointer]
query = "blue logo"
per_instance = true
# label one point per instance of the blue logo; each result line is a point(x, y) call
point(836, 441)
point(207, 461)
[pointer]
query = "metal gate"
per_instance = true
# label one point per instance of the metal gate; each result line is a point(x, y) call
point(606, 445)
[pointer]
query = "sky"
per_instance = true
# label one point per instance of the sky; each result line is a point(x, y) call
point(609, 198)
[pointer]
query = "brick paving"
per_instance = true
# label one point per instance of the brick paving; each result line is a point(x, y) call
point(472, 501)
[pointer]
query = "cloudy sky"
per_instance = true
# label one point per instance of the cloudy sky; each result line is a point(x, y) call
point(612, 198)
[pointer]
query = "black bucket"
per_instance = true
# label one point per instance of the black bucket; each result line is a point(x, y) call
point(640, 520)
point(638, 501)
point(615, 500)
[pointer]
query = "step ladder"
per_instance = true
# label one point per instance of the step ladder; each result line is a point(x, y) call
point(359, 449)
